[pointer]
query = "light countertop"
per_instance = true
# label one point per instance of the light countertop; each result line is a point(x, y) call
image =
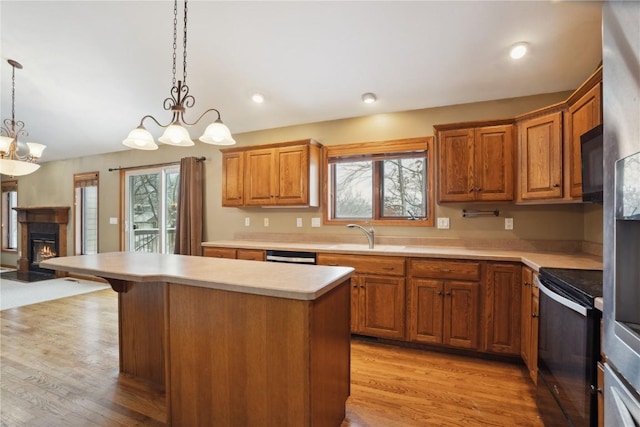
point(292, 281)
point(535, 260)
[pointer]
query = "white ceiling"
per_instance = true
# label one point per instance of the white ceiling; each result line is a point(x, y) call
point(92, 69)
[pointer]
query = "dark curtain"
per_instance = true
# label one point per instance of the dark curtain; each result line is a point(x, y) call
point(190, 207)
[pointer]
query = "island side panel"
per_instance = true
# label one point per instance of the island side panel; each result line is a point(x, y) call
point(237, 359)
point(331, 356)
point(142, 331)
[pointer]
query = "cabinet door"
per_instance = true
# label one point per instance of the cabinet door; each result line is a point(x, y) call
point(533, 345)
point(525, 314)
point(259, 177)
point(461, 320)
point(356, 304)
point(455, 166)
point(503, 294)
point(292, 180)
point(582, 116)
point(425, 304)
point(233, 179)
point(494, 157)
point(541, 157)
point(383, 306)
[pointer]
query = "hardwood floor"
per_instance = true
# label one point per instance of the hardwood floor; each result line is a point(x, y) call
point(59, 367)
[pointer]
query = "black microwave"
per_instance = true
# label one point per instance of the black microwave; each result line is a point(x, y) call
point(592, 165)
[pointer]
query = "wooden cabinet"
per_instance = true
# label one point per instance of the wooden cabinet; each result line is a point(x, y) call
point(529, 322)
point(233, 253)
point(549, 150)
point(540, 157)
point(219, 252)
point(285, 174)
point(502, 305)
point(233, 179)
point(377, 293)
point(584, 112)
point(250, 254)
point(475, 164)
point(444, 302)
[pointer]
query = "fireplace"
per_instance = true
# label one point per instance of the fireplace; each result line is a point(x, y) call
point(43, 236)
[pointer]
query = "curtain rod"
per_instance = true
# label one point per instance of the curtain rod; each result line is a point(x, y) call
point(198, 159)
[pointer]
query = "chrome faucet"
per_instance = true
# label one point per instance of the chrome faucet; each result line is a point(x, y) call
point(369, 234)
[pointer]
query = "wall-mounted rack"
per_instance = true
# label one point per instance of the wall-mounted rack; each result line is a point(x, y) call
point(475, 213)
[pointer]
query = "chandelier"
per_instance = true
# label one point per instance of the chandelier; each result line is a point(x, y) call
point(13, 163)
point(175, 133)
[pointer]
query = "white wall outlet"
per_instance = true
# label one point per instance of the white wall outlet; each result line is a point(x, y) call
point(508, 223)
point(113, 220)
point(443, 223)
point(298, 222)
point(247, 222)
point(266, 222)
point(315, 222)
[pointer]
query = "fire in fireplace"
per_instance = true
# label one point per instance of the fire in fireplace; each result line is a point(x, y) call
point(43, 245)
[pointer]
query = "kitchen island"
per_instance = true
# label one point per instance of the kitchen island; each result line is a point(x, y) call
point(231, 342)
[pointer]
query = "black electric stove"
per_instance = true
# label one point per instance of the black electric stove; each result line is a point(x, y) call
point(583, 285)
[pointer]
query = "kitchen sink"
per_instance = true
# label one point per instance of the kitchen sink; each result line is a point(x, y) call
point(364, 247)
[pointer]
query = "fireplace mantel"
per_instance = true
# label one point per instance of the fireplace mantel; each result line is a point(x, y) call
point(41, 215)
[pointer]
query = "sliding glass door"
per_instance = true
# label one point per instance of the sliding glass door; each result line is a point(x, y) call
point(151, 209)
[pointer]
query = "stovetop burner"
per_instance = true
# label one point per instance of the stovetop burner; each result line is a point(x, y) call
point(583, 284)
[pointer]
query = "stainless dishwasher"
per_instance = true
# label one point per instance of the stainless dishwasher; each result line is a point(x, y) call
point(291, 257)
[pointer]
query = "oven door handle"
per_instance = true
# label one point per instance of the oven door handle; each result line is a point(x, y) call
point(580, 309)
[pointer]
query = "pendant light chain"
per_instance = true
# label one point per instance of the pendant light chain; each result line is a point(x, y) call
point(175, 39)
point(184, 46)
point(13, 98)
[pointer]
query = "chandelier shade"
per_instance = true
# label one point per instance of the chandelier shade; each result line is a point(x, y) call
point(175, 131)
point(13, 163)
point(141, 139)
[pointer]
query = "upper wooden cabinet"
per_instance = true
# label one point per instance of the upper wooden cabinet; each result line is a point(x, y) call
point(584, 112)
point(233, 179)
point(549, 150)
point(540, 157)
point(475, 164)
point(285, 174)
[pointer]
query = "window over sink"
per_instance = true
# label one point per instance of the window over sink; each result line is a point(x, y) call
point(388, 182)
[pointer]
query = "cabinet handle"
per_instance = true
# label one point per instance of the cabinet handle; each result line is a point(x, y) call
point(556, 185)
point(333, 265)
point(478, 189)
point(471, 190)
point(448, 294)
point(361, 286)
point(439, 293)
point(534, 315)
point(445, 270)
point(527, 284)
point(388, 268)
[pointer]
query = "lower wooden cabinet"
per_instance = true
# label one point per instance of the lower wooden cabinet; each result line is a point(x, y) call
point(443, 312)
point(529, 322)
point(219, 252)
point(502, 305)
point(444, 302)
point(232, 253)
point(377, 293)
point(378, 306)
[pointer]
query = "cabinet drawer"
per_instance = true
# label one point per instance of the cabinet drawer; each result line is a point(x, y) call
point(250, 254)
point(219, 252)
point(366, 264)
point(444, 269)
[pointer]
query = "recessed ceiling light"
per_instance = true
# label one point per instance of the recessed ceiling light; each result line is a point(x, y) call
point(369, 98)
point(518, 50)
point(258, 98)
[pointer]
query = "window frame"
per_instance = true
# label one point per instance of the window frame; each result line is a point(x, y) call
point(7, 187)
point(377, 151)
point(81, 180)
